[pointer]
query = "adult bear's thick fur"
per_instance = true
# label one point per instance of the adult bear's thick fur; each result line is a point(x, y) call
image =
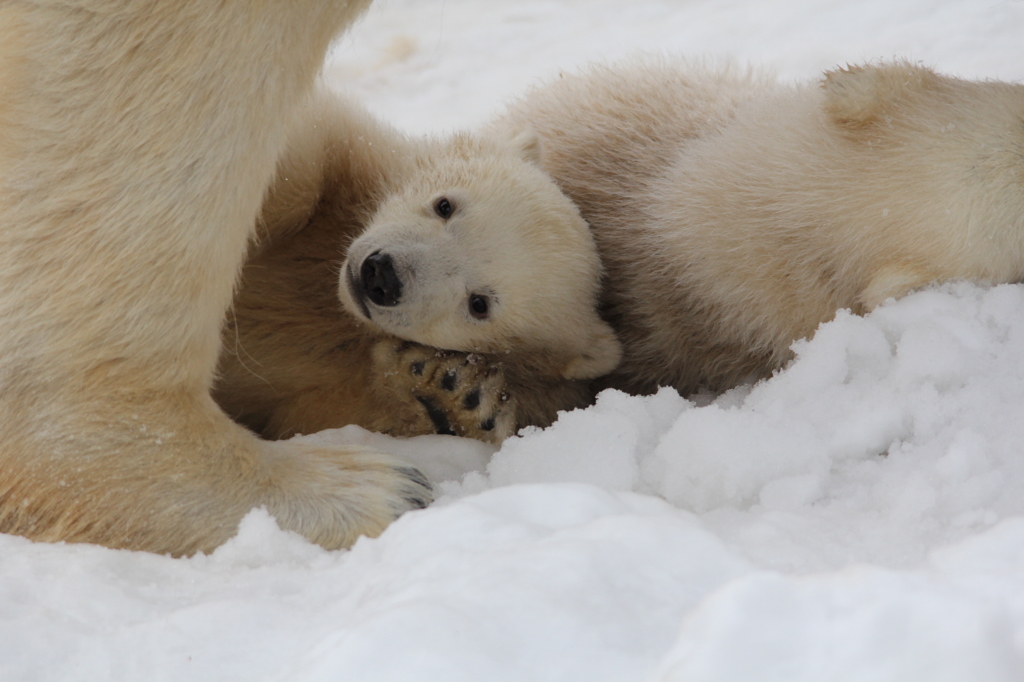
point(137, 141)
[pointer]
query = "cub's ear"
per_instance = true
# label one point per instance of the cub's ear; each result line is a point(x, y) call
point(527, 145)
point(601, 356)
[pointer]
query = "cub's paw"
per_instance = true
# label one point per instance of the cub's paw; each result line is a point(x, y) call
point(462, 394)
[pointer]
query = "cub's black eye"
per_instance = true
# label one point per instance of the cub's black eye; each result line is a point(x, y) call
point(479, 306)
point(444, 208)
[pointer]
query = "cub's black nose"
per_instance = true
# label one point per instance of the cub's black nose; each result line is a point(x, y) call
point(379, 280)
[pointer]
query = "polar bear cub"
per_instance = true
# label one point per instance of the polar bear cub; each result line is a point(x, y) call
point(733, 214)
point(459, 241)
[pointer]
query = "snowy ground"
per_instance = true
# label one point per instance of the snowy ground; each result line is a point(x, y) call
point(858, 517)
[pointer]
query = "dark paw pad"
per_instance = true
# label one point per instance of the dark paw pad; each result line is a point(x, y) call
point(437, 415)
point(449, 380)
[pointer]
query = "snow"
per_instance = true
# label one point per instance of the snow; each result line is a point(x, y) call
point(858, 517)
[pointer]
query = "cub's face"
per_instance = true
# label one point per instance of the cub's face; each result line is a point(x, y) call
point(478, 250)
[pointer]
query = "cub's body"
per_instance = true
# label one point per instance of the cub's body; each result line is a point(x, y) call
point(734, 215)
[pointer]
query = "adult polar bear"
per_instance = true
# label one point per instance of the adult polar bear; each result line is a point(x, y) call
point(733, 214)
point(137, 140)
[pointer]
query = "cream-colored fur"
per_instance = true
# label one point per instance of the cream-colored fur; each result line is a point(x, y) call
point(734, 214)
point(137, 139)
point(512, 238)
point(296, 361)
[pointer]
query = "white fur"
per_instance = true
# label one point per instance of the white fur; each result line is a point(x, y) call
point(734, 215)
point(513, 237)
point(137, 140)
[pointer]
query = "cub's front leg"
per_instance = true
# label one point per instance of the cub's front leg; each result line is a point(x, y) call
point(462, 394)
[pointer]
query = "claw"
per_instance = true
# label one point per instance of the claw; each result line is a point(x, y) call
point(421, 498)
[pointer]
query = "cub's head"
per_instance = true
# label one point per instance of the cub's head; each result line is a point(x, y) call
point(478, 250)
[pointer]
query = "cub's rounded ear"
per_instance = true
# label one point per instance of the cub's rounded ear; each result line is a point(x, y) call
point(602, 354)
point(527, 145)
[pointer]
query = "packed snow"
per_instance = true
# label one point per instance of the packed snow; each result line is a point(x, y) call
point(857, 517)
